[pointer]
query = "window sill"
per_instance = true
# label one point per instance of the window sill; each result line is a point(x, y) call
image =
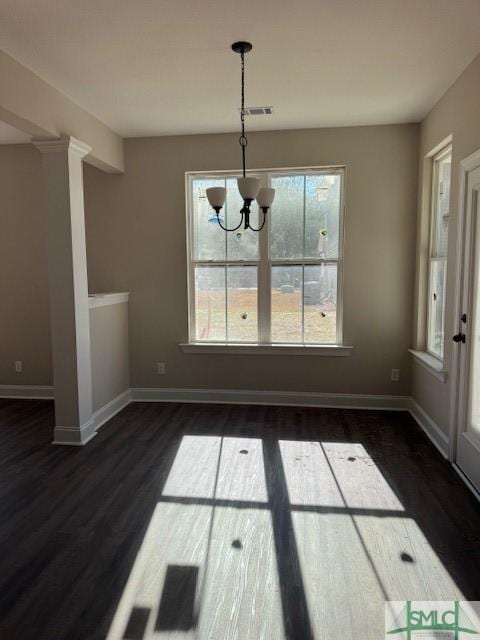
point(334, 350)
point(431, 364)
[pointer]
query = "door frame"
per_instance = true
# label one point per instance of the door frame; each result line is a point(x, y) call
point(468, 164)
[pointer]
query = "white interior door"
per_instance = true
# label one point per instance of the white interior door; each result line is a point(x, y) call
point(468, 337)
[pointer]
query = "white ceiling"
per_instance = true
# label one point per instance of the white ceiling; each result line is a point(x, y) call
point(10, 135)
point(155, 67)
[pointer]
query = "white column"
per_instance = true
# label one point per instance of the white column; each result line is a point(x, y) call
point(68, 287)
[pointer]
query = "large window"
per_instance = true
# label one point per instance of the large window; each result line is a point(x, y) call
point(282, 285)
point(437, 273)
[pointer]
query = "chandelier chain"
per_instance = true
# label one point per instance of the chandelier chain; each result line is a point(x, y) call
point(243, 138)
point(249, 188)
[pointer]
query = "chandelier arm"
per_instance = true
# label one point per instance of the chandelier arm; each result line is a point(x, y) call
point(234, 228)
point(261, 226)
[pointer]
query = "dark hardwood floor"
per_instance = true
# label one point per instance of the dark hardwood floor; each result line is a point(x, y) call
point(226, 522)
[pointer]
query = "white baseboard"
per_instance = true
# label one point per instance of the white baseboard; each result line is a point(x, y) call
point(103, 415)
point(220, 396)
point(300, 399)
point(26, 391)
point(430, 428)
point(279, 398)
point(232, 396)
point(80, 436)
point(73, 436)
point(467, 481)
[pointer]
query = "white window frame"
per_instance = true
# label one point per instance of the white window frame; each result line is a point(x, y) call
point(264, 264)
point(432, 257)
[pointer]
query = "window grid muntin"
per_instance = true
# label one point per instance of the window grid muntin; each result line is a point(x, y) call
point(265, 262)
point(433, 254)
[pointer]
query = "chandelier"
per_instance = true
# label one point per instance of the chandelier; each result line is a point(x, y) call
point(249, 187)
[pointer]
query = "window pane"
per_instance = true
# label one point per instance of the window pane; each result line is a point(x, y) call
point(287, 217)
point(287, 304)
point(436, 307)
point(320, 304)
point(322, 216)
point(242, 304)
point(442, 205)
point(209, 239)
point(210, 321)
point(473, 423)
point(241, 244)
point(304, 224)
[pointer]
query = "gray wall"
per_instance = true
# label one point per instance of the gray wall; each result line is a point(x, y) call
point(457, 114)
point(24, 315)
point(136, 243)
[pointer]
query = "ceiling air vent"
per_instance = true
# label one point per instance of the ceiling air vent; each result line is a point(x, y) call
point(258, 111)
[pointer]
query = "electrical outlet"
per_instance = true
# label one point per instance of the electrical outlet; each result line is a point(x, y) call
point(18, 366)
point(395, 375)
point(160, 368)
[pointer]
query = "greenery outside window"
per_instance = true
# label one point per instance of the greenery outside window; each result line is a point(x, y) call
point(437, 271)
point(280, 286)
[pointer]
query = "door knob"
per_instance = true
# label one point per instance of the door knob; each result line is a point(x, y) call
point(459, 337)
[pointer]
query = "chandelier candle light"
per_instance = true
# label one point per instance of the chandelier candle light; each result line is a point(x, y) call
point(249, 187)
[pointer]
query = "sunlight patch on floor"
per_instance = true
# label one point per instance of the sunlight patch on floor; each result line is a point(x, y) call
point(177, 535)
point(241, 473)
point(194, 470)
point(208, 566)
point(308, 477)
point(360, 480)
point(237, 592)
point(353, 561)
point(241, 598)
